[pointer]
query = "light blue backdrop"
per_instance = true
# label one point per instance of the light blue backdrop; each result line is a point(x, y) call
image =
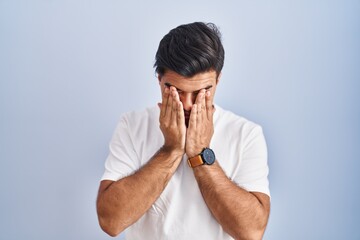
point(68, 69)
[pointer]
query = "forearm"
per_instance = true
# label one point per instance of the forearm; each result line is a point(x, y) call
point(239, 212)
point(123, 202)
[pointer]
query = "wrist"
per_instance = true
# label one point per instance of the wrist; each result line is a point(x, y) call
point(171, 151)
point(205, 157)
point(194, 152)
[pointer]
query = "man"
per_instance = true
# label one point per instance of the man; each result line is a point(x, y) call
point(203, 173)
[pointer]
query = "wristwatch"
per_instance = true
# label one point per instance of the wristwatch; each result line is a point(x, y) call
point(207, 156)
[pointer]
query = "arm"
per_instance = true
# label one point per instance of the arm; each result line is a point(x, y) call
point(242, 214)
point(122, 203)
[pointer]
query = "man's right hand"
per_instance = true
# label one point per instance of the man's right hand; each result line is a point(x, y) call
point(172, 121)
point(118, 204)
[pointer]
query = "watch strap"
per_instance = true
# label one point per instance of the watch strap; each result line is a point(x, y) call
point(195, 161)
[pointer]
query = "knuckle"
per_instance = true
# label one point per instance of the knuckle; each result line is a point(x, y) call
point(164, 125)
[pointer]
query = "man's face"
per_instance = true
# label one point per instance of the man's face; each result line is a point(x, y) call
point(188, 88)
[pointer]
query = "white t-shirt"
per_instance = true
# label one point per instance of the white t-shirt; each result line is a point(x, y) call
point(181, 212)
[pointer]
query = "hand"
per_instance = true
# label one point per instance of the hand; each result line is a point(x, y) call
point(201, 127)
point(172, 121)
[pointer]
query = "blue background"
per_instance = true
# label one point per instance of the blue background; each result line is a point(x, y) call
point(69, 69)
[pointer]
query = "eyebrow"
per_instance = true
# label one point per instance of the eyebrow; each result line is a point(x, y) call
point(178, 89)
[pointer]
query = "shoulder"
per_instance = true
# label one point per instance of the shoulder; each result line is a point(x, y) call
point(141, 114)
point(228, 121)
point(139, 117)
point(133, 123)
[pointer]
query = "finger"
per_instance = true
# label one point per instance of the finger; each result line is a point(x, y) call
point(193, 117)
point(198, 101)
point(209, 107)
point(169, 106)
point(199, 97)
point(165, 98)
point(174, 108)
point(180, 114)
point(201, 106)
point(179, 111)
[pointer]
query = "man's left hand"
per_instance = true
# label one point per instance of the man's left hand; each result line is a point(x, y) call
point(201, 127)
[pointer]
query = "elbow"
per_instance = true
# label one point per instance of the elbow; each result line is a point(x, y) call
point(251, 235)
point(248, 235)
point(111, 232)
point(108, 222)
point(109, 227)
point(251, 232)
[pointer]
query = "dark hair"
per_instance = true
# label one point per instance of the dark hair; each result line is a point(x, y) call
point(190, 49)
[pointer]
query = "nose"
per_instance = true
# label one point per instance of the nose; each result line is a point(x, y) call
point(187, 101)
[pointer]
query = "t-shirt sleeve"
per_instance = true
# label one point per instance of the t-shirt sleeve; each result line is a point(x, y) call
point(122, 157)
point(254, 170)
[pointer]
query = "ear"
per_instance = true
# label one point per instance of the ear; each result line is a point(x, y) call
point(159, 78)
point(218, 78)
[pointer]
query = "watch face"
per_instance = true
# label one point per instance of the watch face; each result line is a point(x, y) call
point(208, 156)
